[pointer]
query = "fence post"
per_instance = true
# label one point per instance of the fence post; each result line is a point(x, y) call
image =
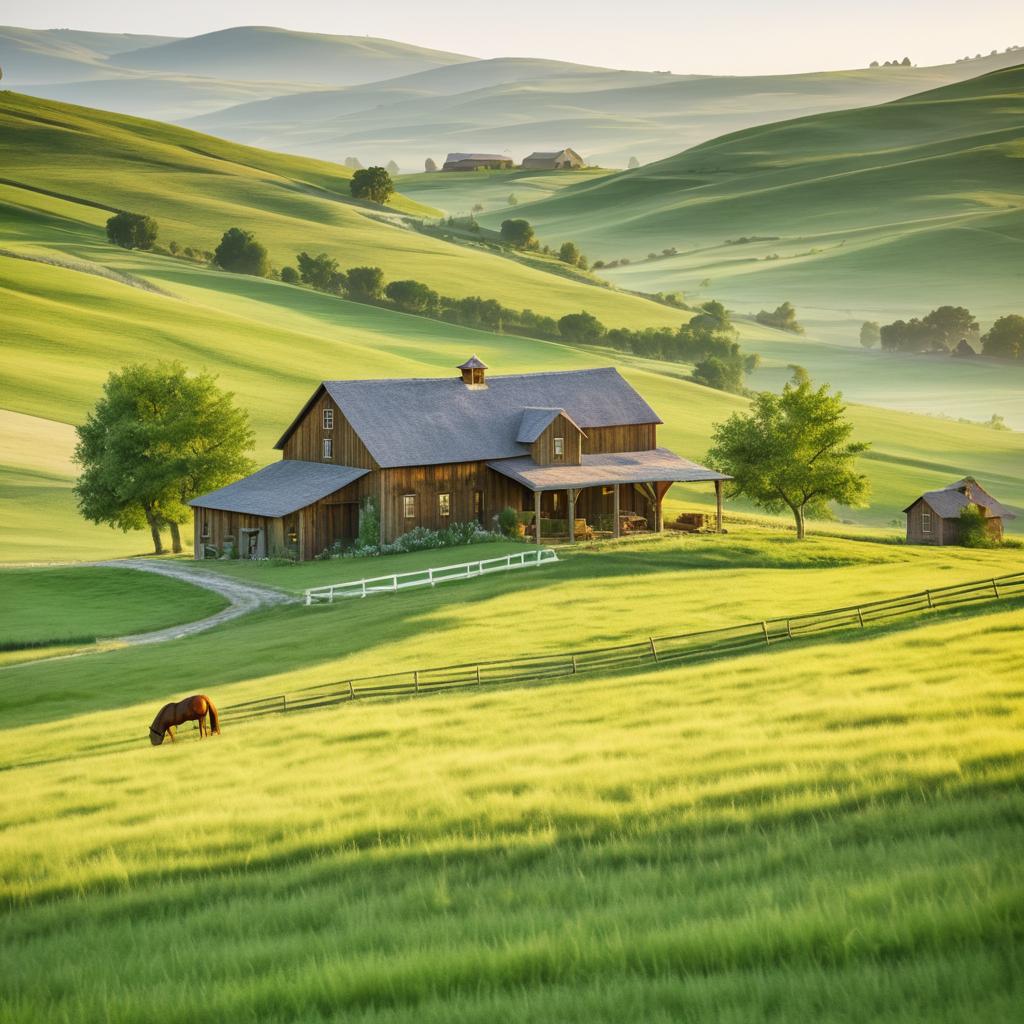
point(478, 675)
point(860, 618)
point(364, 589)
point(789, 628)
point(574, 664)
point(928, 594)
point(764, 627)
point(430, 576)
point(654, 650)
point(416, 682)
point(995, 589)
point(284, 702)
point(351, 691)
point(394, 583)
point(309, 598)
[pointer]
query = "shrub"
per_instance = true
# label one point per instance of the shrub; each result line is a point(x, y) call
point(974, 528)
point(289, 275)
point(373, 183)
point(320, 272)
point(508, 521)
point(364, 284)
point(519, 234)
point(132, 230)
point(240, 253)
point(782, 318)
point(413, 297)
point(369, 524)
point(417, 539)
point(581, 327)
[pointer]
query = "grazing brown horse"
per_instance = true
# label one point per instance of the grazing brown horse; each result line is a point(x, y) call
point(191, 709)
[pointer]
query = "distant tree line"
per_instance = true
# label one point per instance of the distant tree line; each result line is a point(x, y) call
point(945, 329)
point(905, 63)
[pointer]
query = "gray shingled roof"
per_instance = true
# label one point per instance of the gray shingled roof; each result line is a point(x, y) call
point(454, 158)
point(949, 502)
point(472, 363)
point(425, 422)
point(612, 468)
point(280, 488)
point(536, 421)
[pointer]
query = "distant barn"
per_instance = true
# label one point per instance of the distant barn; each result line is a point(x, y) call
point(563, 160)
point(476, 162)
point(935, 517)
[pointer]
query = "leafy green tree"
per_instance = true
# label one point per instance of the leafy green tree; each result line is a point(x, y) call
point(1005, 339)
point(569, 253)
point(364, 284)
point(783, 318)
point(240, 253)
point(320, 272)
point(581, 327)
point(713, 316)
point(430, 166)
point(373, 183)
point(156, 439)
point(633, 163)
point(519, 234)
point(948, 324)
point(413, 297)
point(289, 275)
point(974, 528)
point(791, 451)
point(723, 374)
point(393, 168)
point(869, 334)
point(132, 230)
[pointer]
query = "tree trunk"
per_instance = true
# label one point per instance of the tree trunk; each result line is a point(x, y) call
point(154, 528)
point(175, 537)
point(798, 515)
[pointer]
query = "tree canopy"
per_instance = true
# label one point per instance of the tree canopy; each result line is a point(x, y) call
point(430, 165)
point(581, 327)
point(156, 439)
point(373, 183)
point(518, 233)
point(364, 284)
point(869, 334)
point(320, 272)
point(132, 230)
point(413, 297)
point(791, 451)
point(569, 253)
point(240, 253)
point(782, 318)
point(1005, 339)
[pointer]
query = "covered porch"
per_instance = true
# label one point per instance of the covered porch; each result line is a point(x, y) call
point(607, 495)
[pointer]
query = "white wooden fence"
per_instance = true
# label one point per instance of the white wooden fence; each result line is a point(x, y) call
point(430, 577)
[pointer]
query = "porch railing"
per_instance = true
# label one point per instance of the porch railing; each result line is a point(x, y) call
point(430, 577)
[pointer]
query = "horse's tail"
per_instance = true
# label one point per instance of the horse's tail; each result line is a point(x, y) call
point(214, 719)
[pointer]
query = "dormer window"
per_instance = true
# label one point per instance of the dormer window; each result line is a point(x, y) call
point(559, 447)
point(473, 371)
point(328, 419)
point(328, 448)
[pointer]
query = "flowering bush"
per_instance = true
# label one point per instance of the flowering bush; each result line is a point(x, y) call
point(417, 539)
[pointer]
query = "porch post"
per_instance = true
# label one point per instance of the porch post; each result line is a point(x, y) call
point(659, 494)
point(617, 527)
point(536, 516)
point(571, 509)
point(718, 506)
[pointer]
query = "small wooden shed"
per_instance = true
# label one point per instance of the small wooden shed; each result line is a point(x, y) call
point(934, 518)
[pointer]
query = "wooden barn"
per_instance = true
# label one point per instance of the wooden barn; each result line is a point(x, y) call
point(935, 517)
point(563, 160)
point(476, 162)
point(575, 453)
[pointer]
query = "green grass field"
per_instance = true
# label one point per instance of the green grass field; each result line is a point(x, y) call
point(50, 606)
point(768, 837)
point(872, 213)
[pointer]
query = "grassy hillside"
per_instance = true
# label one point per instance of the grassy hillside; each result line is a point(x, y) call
point(705, 840)
point(874, 213)
point(198, 186)
point(519, 106)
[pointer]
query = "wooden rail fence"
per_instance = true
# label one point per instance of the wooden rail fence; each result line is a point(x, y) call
point(650, 650)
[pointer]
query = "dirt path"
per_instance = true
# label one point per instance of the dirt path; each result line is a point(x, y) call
point(244, 598)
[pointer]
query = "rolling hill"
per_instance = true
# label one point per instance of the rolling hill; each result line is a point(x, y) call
point(873, 213)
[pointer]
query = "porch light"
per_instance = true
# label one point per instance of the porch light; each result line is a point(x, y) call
point(293, 537)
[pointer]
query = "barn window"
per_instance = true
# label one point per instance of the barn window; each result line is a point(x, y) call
point(926, 522)
point(328, 419)
point(444, 504)
point(206, 529)
point(559, 447)
point(478, 506)
point(409, 506)
point(328, 448)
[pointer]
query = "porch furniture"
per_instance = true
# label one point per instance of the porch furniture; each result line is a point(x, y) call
point(689, 522)
point(582, 530)
point(633, 523)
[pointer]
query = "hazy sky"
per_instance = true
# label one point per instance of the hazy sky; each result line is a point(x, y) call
point(721, 36)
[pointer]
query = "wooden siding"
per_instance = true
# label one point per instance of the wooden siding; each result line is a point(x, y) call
point(306, 441)
point(460, 480)
point(543, 449)
point(915, 525)
point(637, 437)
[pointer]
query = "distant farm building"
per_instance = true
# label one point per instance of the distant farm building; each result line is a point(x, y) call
point(574, 454)
point(476, 162)
point(935, 517)
point(563, 160)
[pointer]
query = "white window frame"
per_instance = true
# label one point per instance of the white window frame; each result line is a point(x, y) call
point(926, 522)
point(444, 504)
point(205, 528)
point(559, 447)
point(328, 448)
point(408, 506)
point(328, 419)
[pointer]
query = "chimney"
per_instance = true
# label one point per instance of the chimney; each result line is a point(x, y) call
point(473, 373)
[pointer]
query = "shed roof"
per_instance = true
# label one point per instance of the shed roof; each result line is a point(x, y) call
point(430, 421)
point(611, 468)
point(454, 158)
point(949, 502)
point(280, 488)
point(472, 363)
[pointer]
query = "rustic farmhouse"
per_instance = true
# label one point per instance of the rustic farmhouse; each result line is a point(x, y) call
point(575, 453)
point(563, 160)
point(476, 162)
point(935, 517)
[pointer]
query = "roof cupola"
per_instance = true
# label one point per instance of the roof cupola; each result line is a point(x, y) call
point(473, 372)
